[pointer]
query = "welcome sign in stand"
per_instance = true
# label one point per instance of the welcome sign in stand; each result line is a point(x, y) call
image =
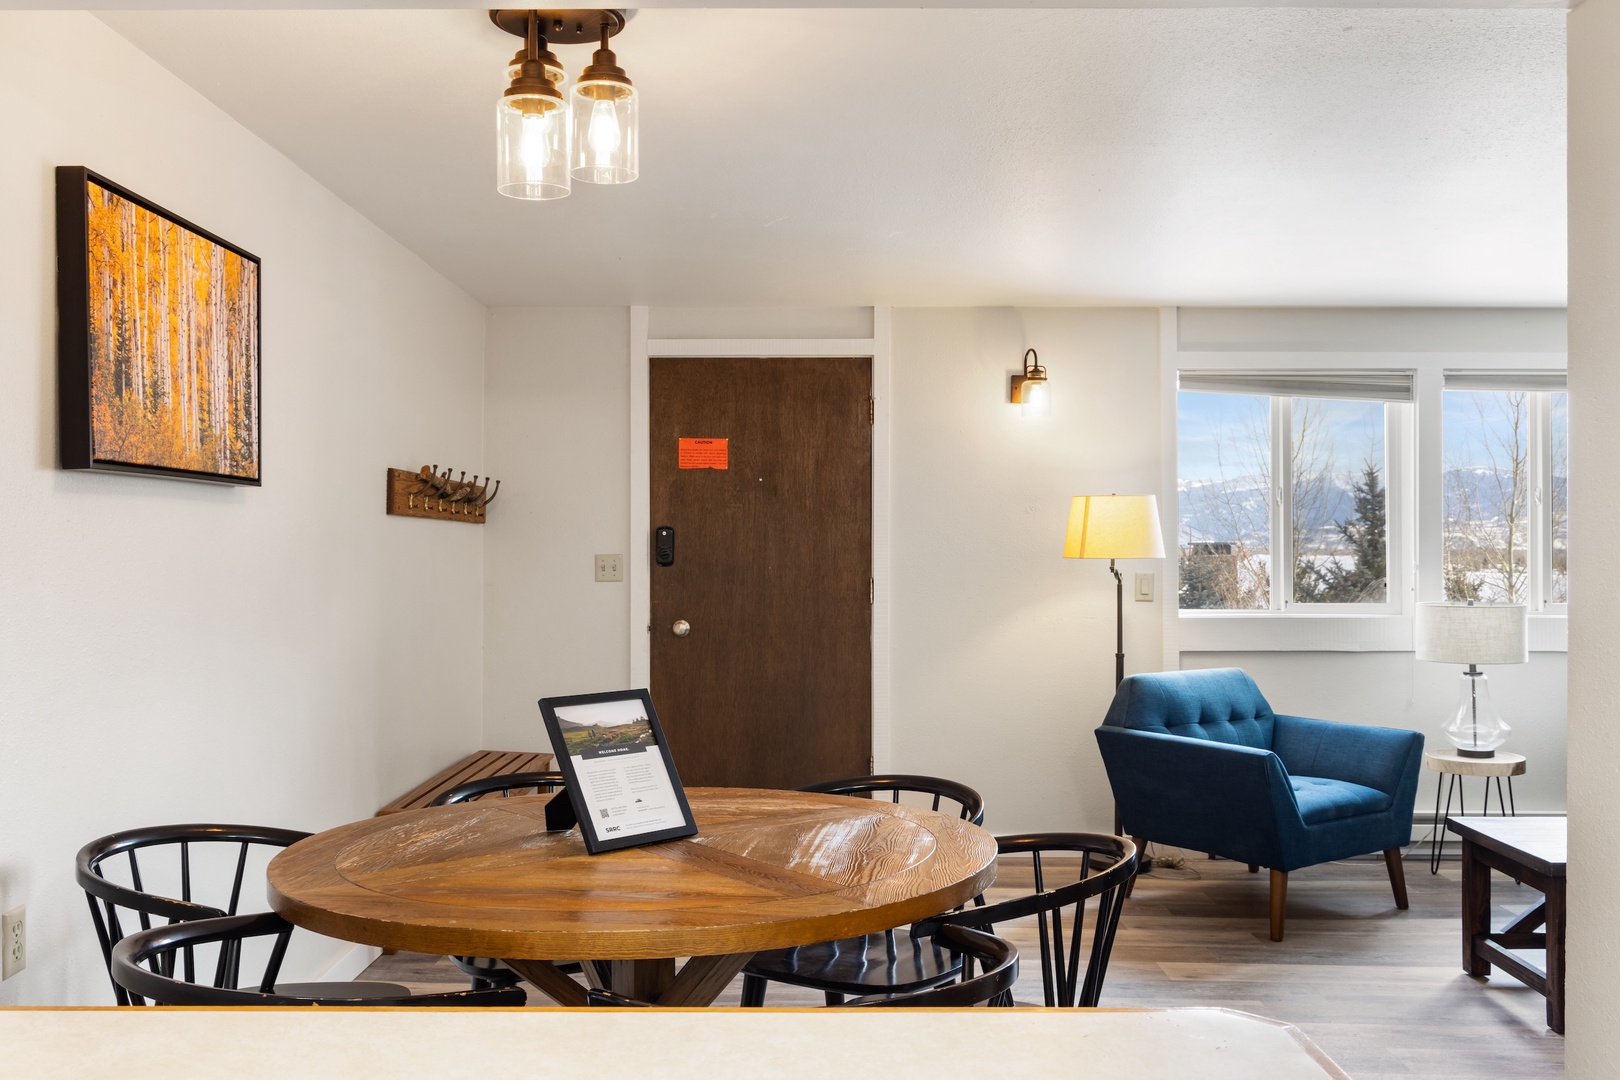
point(622, 788)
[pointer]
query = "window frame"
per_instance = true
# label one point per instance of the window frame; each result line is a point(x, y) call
point(1414, 439)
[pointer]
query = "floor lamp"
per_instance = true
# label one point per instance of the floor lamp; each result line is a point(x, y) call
point(1115, 527)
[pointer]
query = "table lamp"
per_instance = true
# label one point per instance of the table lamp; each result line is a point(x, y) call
point(1474, 634)
point(1114, 527)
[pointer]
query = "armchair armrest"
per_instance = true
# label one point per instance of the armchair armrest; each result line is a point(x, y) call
point(1387, 759)
point(1229, 800)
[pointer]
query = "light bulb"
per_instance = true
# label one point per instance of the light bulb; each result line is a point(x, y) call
point(533, 146)
point(603, 135)
point(1036, 398)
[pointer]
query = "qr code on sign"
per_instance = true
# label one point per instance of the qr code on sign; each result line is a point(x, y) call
point(603, 812)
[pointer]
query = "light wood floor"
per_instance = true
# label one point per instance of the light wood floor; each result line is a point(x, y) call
point(1381, 990)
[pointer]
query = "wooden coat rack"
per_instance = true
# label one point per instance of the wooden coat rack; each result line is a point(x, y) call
point(428, 493)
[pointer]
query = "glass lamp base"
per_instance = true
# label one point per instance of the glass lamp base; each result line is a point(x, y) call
point(1476, 729)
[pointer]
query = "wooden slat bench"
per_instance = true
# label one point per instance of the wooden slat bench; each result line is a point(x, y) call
point(473, 767)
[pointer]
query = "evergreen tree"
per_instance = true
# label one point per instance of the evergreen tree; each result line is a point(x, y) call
point(1364, 577)
point(1202, 584)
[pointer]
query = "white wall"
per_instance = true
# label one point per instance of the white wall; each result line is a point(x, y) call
point(558, 436)
point(1003, 656)
point(180, 652)
point(1594, 639)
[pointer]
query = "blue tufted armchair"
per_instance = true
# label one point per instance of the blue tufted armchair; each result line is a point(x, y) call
point(1198, 760)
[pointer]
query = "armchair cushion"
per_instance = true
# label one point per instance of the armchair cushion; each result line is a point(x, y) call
point(1220, 704)
point(1321, 799)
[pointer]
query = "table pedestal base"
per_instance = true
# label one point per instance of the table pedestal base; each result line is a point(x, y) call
point(698, 982)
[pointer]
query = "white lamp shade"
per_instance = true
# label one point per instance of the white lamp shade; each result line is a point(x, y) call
point(1459, 633)
point(1114, 527)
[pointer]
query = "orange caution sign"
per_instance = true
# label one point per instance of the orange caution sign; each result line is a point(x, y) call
point(705, 453)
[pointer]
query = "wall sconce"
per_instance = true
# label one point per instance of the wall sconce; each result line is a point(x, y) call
point(1030, 390)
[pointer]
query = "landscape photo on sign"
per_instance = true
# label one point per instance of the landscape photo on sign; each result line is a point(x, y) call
point(604, 724)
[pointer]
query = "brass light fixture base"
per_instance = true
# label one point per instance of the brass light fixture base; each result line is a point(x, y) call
point(582, 26)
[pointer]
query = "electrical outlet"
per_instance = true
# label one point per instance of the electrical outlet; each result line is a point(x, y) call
point(610, 568)
point(14, 940)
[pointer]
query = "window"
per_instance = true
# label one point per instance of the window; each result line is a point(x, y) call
point(1505, 533)
point(1290, 487)
point(1316, 461)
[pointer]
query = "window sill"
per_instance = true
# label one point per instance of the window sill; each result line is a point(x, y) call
point(1273, 631)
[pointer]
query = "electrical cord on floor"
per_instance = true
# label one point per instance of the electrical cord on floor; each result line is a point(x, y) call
point(1177, 861)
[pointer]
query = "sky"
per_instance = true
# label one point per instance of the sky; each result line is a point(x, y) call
point(1227, 434)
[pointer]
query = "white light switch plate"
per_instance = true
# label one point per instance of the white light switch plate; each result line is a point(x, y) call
point(1144, 587)
point(610, 568)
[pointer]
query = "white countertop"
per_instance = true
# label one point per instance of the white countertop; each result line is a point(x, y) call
point(666, 1044)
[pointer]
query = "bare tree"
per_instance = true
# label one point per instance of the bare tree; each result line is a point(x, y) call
point(1487, 520)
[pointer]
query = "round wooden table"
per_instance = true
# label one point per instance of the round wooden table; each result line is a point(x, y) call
point(768, 869)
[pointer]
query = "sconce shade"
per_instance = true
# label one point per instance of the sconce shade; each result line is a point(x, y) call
point(1114, 527)
point(1035, 397)
point(1463, 633)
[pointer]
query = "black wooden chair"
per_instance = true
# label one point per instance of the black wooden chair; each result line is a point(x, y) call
point(193, 861)
point(992, 985)
point(143, 965)
point(487, 972)
point(877, 962)
point(1103, 866)
point(933, 789)
point(997, 959)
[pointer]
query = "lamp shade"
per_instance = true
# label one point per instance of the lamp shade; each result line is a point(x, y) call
point(1114, 527)
point(1462, 633)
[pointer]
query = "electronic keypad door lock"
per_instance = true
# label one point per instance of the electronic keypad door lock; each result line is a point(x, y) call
point(664, 546)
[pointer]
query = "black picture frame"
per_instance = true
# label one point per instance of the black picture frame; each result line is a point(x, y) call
point(598, 839)
point(75, 363)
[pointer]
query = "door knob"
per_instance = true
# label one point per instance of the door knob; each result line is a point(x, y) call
point(681, 628)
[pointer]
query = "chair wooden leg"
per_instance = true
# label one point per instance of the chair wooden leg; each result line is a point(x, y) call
point(1279, 902)
point(1397, 875)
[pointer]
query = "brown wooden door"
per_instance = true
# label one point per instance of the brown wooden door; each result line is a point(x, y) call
point(772, 686)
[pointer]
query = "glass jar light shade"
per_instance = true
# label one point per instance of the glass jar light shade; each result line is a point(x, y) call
point(606, 135)
point(531, 147)
point(1476, 729)
point(1035, 397)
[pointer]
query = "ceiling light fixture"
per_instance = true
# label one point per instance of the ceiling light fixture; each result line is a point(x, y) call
point(541, 148)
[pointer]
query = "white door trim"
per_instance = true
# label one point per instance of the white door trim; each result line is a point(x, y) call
point(876, 348)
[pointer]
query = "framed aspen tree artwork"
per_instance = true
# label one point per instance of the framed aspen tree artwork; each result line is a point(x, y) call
point(157, 341)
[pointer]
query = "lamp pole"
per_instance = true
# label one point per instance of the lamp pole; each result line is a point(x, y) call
point(1119, 624)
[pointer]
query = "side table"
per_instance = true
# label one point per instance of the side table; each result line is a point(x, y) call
point(1452, 767)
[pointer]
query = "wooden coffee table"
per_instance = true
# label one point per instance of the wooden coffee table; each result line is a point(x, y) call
point(768, 869)
point(1531, 850)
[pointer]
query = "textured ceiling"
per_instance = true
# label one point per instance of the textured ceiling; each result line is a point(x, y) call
point(1220, 156)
